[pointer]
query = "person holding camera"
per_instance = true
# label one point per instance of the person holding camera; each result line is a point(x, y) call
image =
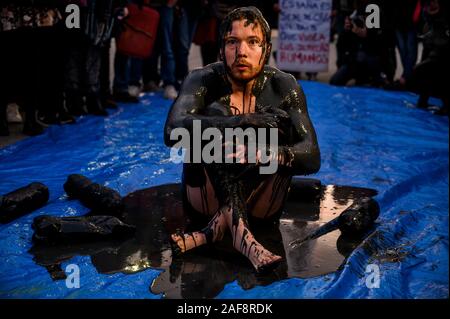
point(360, 57)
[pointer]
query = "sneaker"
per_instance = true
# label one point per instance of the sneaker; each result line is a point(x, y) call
point(12, 114)
point(134, 90)
point(170, 93)
point(94, 105)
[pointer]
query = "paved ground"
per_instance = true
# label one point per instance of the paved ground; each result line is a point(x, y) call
point(196, 62)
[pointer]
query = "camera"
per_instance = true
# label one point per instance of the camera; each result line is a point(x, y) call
point(357, 19)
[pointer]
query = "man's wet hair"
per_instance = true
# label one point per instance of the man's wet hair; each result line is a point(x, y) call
point(248, 14)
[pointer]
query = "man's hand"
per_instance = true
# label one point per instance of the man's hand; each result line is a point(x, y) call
point(266, 118)
point(122, 13)
point(241, 155)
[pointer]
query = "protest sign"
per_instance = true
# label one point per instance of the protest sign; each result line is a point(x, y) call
point(304, 35)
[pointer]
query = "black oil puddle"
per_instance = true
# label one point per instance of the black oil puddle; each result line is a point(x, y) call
point(203, 272)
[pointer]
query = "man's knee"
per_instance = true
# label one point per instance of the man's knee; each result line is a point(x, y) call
point(268, 199)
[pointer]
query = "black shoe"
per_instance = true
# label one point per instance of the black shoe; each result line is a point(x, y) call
point(422, 102)
point(94, 105)
point(75, 104)
point(442, 111)
point(125, 97)
point(65, 117)
point(109, 103)
point(4, 131)
point(46, 120)
point(33, 129)
point(31, 126)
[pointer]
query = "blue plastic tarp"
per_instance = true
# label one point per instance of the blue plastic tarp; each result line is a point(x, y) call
point(368, 138)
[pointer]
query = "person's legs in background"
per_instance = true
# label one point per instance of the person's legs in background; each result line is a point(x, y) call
point(4, 130)
point(135, 76)
point(185, 26)
point(120, 74)
point(150, 75)
point(27, 74)
point(206, 33)
point(122, 79)
point(73, 73)
point(167, 53)
point(105, 83)
point(407, 46)
point(57, 81)
point(376, 77)
point(411, 54)
point(91, 75)
point(430, 78)
point(402, 47)
point(368, 70)
point(5, 66)
point(51, 77)
point(388, 57)
point(342, 75)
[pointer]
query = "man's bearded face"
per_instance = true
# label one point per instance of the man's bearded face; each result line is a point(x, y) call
point(244, 51)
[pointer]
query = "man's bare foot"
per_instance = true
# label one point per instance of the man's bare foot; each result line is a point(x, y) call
point(261, 258)
point(188, 241)
point(212, 232)
point(264, 260)
point(244, 241)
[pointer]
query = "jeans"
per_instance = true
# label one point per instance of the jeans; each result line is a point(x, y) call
point(83, 69)
point(127, 71)
point(185, 29)
point(407, 45)
point(364, 69)
point(164, 48)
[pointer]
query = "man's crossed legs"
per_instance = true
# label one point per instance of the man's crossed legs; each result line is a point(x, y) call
point(229, 208)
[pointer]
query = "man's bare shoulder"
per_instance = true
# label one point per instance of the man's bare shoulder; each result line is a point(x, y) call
point(208, 76)
point(280, 81)
point(213, 69)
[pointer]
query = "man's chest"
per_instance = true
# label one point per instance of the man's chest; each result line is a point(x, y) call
point(240, 104)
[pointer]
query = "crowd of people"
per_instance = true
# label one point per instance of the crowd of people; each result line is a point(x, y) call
point(54, 73)
point(368, 56)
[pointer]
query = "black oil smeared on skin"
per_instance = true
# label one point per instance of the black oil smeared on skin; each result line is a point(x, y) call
point(243, 100)
point(232, 196)
point(214, 229)
point(206, 96)
point(204, 192)
point(281, 183)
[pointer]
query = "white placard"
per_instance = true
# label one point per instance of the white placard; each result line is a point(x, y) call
point(304, 35)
